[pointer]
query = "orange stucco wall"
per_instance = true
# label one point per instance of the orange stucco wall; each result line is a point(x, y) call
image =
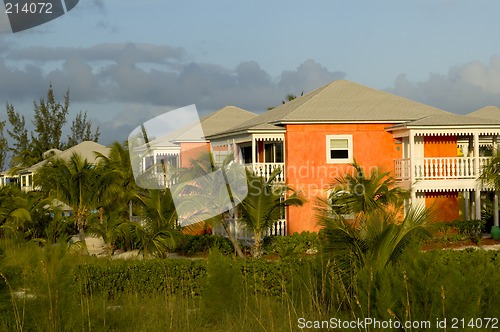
point(307, 169)
point(444, 205)
point(190, 151)
point(440, 146)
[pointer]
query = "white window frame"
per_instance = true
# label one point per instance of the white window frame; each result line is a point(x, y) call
point(347, 160)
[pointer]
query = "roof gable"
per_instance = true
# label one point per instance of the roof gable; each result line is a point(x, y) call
point(343, 101)
point(488, 112)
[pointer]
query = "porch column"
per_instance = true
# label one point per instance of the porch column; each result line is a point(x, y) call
point(476, 153)
point(495, 209)
point(253, 153)
point(411, 143)
point(495, 198)
point(477, 202)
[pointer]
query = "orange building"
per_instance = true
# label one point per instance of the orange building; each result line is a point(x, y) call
point(435, 154)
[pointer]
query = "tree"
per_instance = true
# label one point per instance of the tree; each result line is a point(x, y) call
point(157, 233)
point(378, 234)
point(81, 130)
point(19, 134)
point(288, 97)
point(3, 145)
point(73, 182)
point(24, 215)
point(49, 119)
point(376, 240)
point(490, 175)
point(262, 207)
point(117, 188)
point(360, 194)
point(194, 187)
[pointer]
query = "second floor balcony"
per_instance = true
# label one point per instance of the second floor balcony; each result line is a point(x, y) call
point(439, 168)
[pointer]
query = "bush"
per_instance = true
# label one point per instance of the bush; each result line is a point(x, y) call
point(473, 229)
point(291, 245)
point(201, 244)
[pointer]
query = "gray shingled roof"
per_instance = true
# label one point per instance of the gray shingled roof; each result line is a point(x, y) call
point(85, 149)
point(448, 120)
point(224, 119)
point(343, 101)
point(488, 112)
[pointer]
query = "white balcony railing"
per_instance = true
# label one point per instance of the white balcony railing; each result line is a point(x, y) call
point(440, 168)
point(266, 169)
point(240, 232)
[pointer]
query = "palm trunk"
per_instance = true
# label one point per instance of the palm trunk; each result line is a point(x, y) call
point(235, 244)
point(257, 246)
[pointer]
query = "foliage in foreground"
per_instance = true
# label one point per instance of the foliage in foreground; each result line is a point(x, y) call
point(51, 290)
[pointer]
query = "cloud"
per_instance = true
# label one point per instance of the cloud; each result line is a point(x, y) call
point(308, 76)
point(465, 88)
point(153, 74)
point(148, 75)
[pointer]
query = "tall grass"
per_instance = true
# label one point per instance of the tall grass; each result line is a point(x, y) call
point(49, 289)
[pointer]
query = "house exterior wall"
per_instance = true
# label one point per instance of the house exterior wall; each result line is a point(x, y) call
point(446, 205)
point(440, 146)
point(192, 150)
point(307, 168)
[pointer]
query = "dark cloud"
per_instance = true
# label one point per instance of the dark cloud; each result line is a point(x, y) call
point(146, 74)
point(463, 89)
point(157, 75)
point(119, 52)
point(307, 77)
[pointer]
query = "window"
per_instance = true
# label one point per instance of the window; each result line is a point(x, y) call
point(339, 149)
point(247, 154)
point(273, 152)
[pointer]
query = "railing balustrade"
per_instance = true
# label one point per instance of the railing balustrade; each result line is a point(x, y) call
point(439, 168)
point(266, 169)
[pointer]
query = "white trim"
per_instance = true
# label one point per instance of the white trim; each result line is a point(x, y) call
point(330, 160)
point(291, 122)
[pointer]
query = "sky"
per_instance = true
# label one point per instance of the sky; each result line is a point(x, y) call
point(126, 61)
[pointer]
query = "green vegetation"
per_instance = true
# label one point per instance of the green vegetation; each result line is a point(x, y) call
point(51, 289)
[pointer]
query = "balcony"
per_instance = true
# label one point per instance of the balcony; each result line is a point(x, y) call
point(266, 169)
point(442, 168)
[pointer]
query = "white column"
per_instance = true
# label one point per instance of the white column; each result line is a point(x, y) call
point(411, 143)
point(477, 203)
point(495, 209)
point(253, 153)
point(476, 153)
point(477, 192)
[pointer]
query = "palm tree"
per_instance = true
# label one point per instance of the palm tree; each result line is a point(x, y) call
point(117, 188)
point(262, 207)
point(74, 182)
point(158, 232)
point(110, 228)
point(25, 215)
point(490, 175)
point(359, 194)
point(203, 194)
point(375, 236)
point(377, 240)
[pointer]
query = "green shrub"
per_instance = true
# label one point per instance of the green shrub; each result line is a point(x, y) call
point(201, 244)
point(291, 245)
point(473, 229)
